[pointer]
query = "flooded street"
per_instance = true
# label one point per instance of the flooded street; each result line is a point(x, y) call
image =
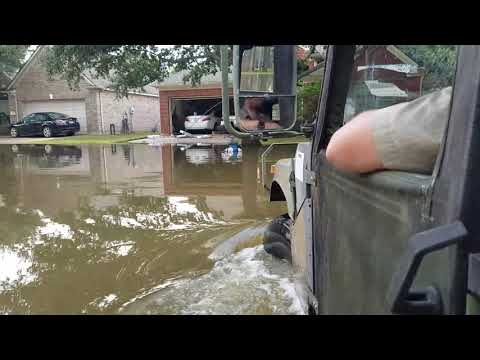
point(138, 229)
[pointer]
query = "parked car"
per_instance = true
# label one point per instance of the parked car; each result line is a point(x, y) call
point(4, 123)
point(201, 122)
point(47, 124)
point(210, 121)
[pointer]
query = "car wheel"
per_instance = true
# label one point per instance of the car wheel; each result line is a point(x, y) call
point(14, 132)
point(47, 132)
point(276, 239)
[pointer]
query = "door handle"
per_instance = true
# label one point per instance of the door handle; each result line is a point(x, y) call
point(400, 298)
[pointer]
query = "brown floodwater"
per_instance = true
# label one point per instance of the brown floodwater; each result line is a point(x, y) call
point(139, 229)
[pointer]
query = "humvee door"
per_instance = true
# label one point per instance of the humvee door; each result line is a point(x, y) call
point(365, 258)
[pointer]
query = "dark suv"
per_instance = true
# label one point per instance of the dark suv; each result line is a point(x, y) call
point(45, 123)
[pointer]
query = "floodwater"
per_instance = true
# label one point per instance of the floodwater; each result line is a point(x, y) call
point(138, 229)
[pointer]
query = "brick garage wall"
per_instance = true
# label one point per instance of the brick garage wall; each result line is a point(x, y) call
point(145, 118)
point(167, 95)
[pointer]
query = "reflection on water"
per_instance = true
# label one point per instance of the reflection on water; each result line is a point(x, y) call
point(99, 229)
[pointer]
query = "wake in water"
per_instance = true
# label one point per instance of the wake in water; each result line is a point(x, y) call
point(248, 282)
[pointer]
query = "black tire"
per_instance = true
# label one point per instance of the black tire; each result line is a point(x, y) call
point(276, 239)
point(47, 132)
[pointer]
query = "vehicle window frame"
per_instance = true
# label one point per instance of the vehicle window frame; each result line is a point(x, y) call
point(38, 120)
point(28, 119)
point(63, 116)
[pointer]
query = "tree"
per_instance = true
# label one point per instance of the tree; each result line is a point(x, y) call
point(12, 57)
point(437, 61)
point(131, 66)
point(134, 66)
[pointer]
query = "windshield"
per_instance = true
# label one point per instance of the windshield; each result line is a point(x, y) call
point(56, 116)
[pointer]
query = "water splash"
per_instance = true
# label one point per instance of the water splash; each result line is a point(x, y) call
point(248, 282)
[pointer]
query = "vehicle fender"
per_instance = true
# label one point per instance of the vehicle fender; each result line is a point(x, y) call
point(280, 189)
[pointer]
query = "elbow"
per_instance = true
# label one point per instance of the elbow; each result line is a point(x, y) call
point(337, 154)
point(352, 148)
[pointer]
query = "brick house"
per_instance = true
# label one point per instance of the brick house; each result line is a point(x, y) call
point(94, 104)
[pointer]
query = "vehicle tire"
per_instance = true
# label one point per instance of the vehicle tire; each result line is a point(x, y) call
point(47, 132)
point(13, 132)
point(276, 239)
point(71, 133)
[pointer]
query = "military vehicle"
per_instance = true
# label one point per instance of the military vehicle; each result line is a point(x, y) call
point(387, 242)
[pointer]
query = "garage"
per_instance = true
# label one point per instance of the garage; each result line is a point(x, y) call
point(179, 99)
point(74, 108)
point(181, 108)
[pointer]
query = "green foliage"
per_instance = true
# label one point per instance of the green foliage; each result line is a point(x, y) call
point(438, 62)
point(131, 66)
point(134, 66)
point(127, 66)
point(12, 56)
point(308, 96)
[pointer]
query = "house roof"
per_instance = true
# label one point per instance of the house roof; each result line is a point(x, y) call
point(102, 83)
point(175, 80)
point(89, 76)
point(392, 49)
point(25, 66)
point(382, 89)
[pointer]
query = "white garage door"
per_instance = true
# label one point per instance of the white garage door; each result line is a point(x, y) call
point(73, 108)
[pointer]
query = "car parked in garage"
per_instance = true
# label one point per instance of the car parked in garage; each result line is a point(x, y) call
point(210, 121)
point(47, 124)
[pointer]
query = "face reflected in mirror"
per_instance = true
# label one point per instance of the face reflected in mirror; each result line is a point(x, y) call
point(259, 113)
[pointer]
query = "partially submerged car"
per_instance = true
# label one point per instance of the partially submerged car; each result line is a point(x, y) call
point(45, 124)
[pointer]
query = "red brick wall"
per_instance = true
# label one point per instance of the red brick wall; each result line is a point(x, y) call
point(166, 95)
point(381, 55)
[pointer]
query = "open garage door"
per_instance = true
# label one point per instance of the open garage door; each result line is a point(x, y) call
point(74, 108)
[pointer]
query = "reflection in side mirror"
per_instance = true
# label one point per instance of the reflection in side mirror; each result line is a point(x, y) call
point(257, 69)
